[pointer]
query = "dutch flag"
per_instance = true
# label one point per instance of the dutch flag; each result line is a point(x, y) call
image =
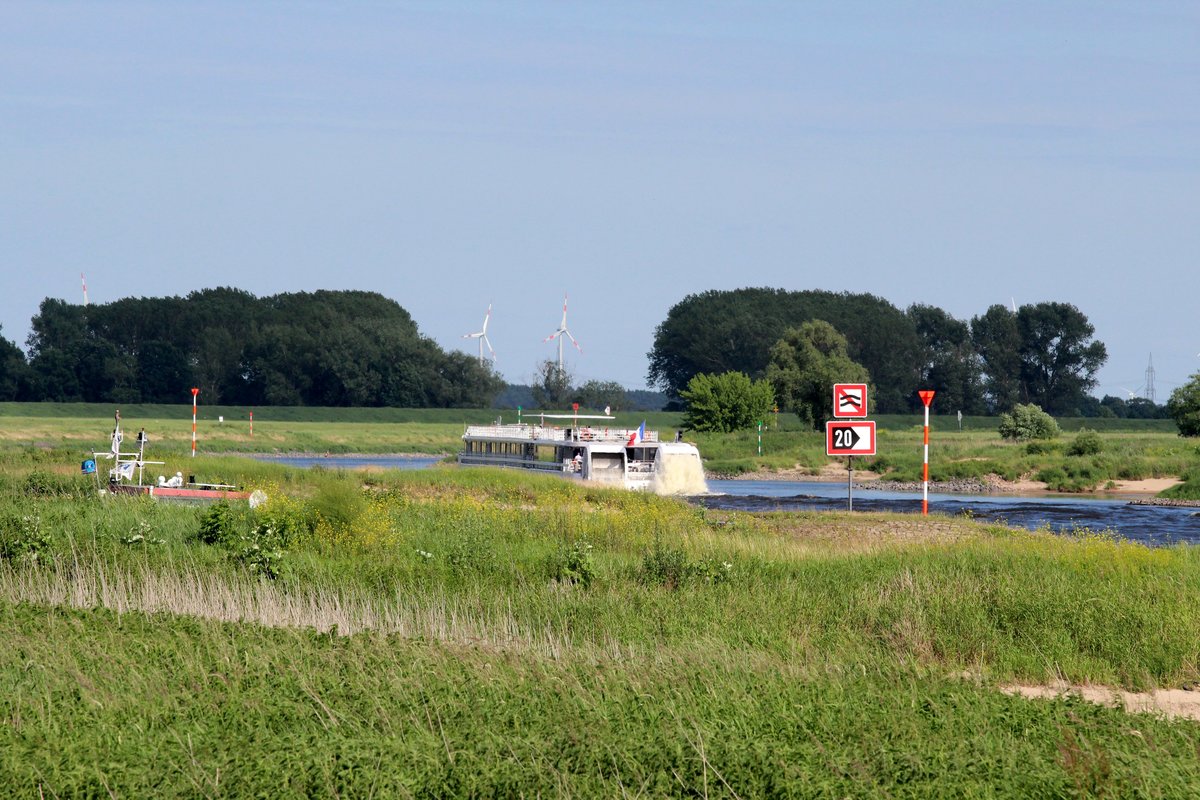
point(637, 436)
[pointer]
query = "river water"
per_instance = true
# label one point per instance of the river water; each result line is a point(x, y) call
point(1152, 525)
point(1156, 526)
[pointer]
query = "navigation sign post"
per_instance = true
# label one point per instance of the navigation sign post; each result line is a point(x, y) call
point(195, 392)
point(849, 400)
point(927, 398)
point(850, 439)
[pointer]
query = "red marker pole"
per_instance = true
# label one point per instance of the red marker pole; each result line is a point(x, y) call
point(251, 424)
point(926, 398)
point(195, 392)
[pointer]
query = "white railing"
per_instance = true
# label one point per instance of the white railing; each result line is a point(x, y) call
point(545, 433)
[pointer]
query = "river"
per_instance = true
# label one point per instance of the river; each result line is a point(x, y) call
point(1156, 526)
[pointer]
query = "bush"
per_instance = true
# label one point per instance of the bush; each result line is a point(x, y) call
point(1184, 407)
point(1027, 422)
point(1087, 443)
point(726, 402)
point(39, 483)
point(573, 565)
point(22, 537)
point(670, 567)
point(218, 525)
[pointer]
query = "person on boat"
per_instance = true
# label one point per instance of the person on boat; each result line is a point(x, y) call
point(116, 434)
point(577, 462)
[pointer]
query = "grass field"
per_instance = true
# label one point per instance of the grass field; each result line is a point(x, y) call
point(1132, 450)
point(454, 632)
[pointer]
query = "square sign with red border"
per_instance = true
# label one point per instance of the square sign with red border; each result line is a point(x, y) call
point(849, 400)
point(850, 438)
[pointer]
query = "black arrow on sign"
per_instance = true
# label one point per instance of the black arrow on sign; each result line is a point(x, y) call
point(853, 437)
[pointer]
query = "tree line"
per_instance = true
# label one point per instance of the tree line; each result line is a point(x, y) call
point(1043, 353)
point(324, 348)
point(353, 348)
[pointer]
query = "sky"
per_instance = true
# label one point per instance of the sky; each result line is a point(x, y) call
point(453, 155)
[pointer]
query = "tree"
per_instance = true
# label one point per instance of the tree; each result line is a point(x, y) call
point(551, 385)
point(950, 366)
point(997, 341)
point(1058, 357)
point(1184, 407)
point(14, 372)
point(726, 331)
point(344, 348)
point(602, 394)
point(726, 402)
point(805, 364)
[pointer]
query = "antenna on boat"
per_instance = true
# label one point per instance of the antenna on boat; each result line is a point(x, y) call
point(562, 331)
point(481, 335)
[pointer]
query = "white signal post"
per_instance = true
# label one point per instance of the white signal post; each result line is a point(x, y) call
point(926, 398)
point(195, 392)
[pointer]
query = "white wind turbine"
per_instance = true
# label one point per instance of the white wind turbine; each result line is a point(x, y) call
point(562, 331)
point(481, 335)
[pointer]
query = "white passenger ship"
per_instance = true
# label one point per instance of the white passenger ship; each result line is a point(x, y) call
point(583, 447)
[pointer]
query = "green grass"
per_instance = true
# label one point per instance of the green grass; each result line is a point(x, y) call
point(455, 632)
point(137, 705)
point(1130, 449)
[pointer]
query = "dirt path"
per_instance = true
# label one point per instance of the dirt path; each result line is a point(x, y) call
point(1181, 703)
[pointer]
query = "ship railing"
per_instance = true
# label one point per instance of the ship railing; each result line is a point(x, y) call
point(554, 434)
point(495, 460)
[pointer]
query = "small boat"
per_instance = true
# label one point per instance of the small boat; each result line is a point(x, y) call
point(585, 450)
point(127, 473)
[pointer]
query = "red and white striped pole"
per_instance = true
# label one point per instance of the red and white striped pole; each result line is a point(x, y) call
point(926, 398)
point(195, 392)
point(251, 424)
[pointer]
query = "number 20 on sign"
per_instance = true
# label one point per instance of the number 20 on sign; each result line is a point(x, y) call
point(844, 438)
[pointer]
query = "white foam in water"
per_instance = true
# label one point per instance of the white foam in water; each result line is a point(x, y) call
point(680, 473)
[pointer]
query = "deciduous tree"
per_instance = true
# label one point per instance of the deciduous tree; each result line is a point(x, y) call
point(727, 402)
point(804, 366)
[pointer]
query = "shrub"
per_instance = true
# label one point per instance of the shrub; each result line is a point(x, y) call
point(22, 537)
point(1087, 443)
point(218, 525)
point(1184, 407)
point(39, 483)
point(670, 567)
point(1027, 422)
point(573, 565)
point(727, 402)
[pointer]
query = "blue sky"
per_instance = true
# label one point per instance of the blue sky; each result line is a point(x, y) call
point(452, 155)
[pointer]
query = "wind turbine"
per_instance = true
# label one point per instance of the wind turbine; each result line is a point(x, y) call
point(481, 335)
point(562, 331)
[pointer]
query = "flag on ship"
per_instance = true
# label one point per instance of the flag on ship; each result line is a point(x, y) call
point(638, 436)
